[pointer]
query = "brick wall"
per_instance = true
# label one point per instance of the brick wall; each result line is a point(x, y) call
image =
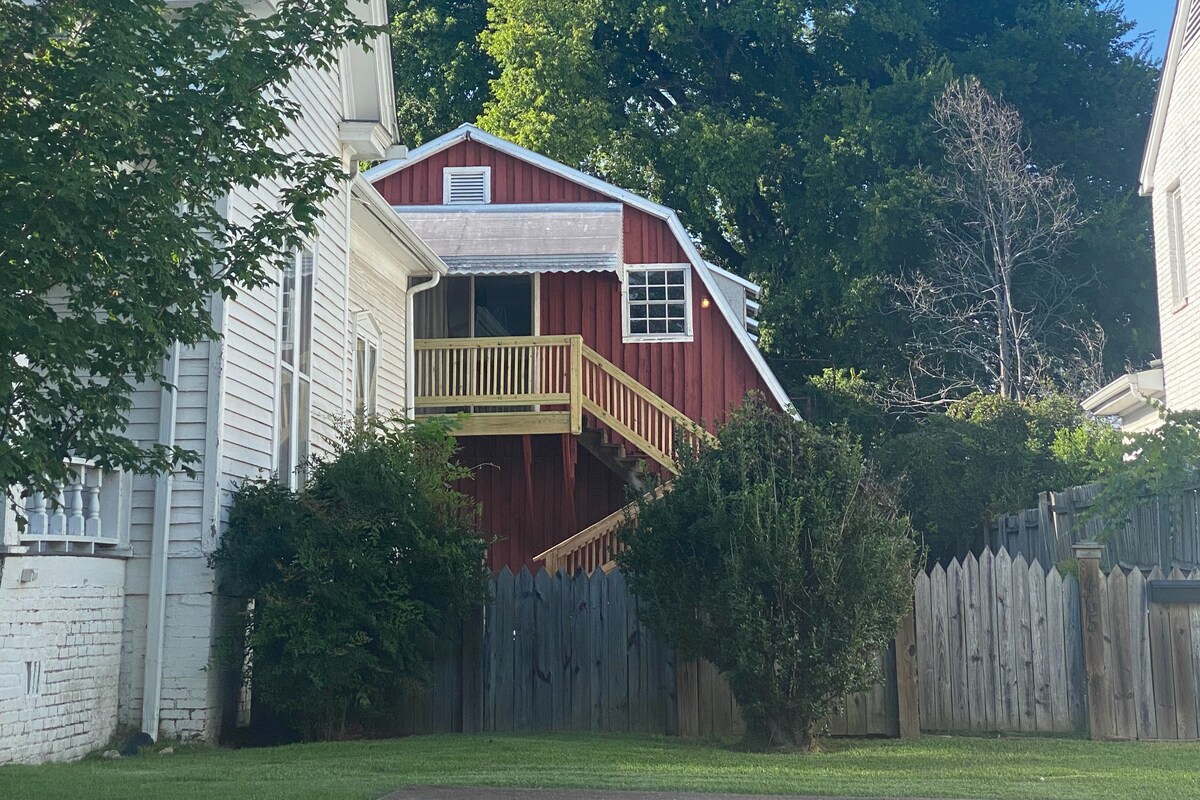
point(60, 655)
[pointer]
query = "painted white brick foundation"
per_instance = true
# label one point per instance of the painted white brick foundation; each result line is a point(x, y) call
point(60, 655)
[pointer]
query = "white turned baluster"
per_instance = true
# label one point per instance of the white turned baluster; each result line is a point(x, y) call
point(58, 520)
point(37, 515)
point(75, 502)
point(92, 524)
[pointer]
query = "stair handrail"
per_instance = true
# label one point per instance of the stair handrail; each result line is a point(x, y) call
point(594, 546)
point(618, 412)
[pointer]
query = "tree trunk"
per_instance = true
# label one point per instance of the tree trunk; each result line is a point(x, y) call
point(786, 731)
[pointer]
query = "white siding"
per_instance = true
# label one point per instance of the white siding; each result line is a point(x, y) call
point(378, 285)
point(245, 364)
point(1179, 164)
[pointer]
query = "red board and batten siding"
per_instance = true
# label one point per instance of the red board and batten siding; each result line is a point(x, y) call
point(499, 488)
point(513, 180)
point(702, 378)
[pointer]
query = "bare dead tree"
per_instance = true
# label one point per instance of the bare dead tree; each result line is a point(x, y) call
point(991, 303)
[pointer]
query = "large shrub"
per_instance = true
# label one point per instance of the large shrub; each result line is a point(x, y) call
point(353, 577)
point(987, 455)
point(778, 557)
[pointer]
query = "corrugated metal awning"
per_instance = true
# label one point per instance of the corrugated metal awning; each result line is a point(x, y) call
point(516, 239)
point(523, 265)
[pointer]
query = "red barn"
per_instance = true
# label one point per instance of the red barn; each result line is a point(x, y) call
point(578, 325)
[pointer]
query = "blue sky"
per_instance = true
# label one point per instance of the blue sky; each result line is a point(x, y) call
point(1153, 17)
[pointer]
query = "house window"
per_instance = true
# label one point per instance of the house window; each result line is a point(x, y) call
point(294, 416)
point(1175, 252)
point(658, 302)
point(366, 368)
point(463, 186)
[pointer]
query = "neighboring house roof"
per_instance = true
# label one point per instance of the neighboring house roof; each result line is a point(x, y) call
point(366, 200)
point(470, 132)
point(1183, 28)
point(1130, 397)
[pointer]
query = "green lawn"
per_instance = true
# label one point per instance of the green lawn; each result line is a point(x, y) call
point(929, 767)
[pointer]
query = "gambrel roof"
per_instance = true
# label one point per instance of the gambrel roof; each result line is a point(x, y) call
point(468, 132)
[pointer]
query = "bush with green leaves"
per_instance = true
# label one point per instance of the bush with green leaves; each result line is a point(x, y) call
point(353, 577)
point(1162, 463)
point(779, 557)
point(987, 455)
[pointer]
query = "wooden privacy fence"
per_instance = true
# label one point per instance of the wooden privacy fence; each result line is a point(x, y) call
point(998, 647)
point(1160, 532)
point(569, 653)
point(993, 644)
point(1142, 651)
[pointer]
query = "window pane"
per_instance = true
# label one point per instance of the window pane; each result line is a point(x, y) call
point(675, 310)
point(287, 321)
point(637, 326)
point(637, 312)
point(658, 326)
point(636, 294)
point(637, 278)
point(302, 430)
point(283, 450)
point(675, 277)
point(675, 292)
point(656, 277)
point(306, 312)
point(675, 326)
point(372, 377)
point(360, 377)
point(658, 293)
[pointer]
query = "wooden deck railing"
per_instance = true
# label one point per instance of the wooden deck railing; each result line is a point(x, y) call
point(501, 381)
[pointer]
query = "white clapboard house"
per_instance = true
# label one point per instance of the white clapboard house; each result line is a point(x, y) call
point(108, 610)
point(1170, 177)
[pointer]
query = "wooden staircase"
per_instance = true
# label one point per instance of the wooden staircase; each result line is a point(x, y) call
point(631, 469)
point(550, 384)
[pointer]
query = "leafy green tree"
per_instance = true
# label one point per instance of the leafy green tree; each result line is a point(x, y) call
point(780, 558)
point(123, 126)
point(440, 70)
point(987, 456)
point(796, 140)
point(353, 578)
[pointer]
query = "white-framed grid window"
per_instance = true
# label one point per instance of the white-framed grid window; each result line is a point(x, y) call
point(466, 186)
point(293, 418)
point(1175, 251)
point(366, 366)
point(657, 302)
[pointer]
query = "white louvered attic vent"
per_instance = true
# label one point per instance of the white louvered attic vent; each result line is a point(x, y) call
point(1192, 28)
point(466, 186)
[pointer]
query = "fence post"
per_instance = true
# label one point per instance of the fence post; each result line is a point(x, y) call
point(1099, 692)
point(907, 705)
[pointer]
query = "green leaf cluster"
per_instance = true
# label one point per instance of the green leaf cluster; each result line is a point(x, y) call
point(779, 557)
point(988, 456)
point(125, 127)
point(1160, 464)
point(353, 578)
